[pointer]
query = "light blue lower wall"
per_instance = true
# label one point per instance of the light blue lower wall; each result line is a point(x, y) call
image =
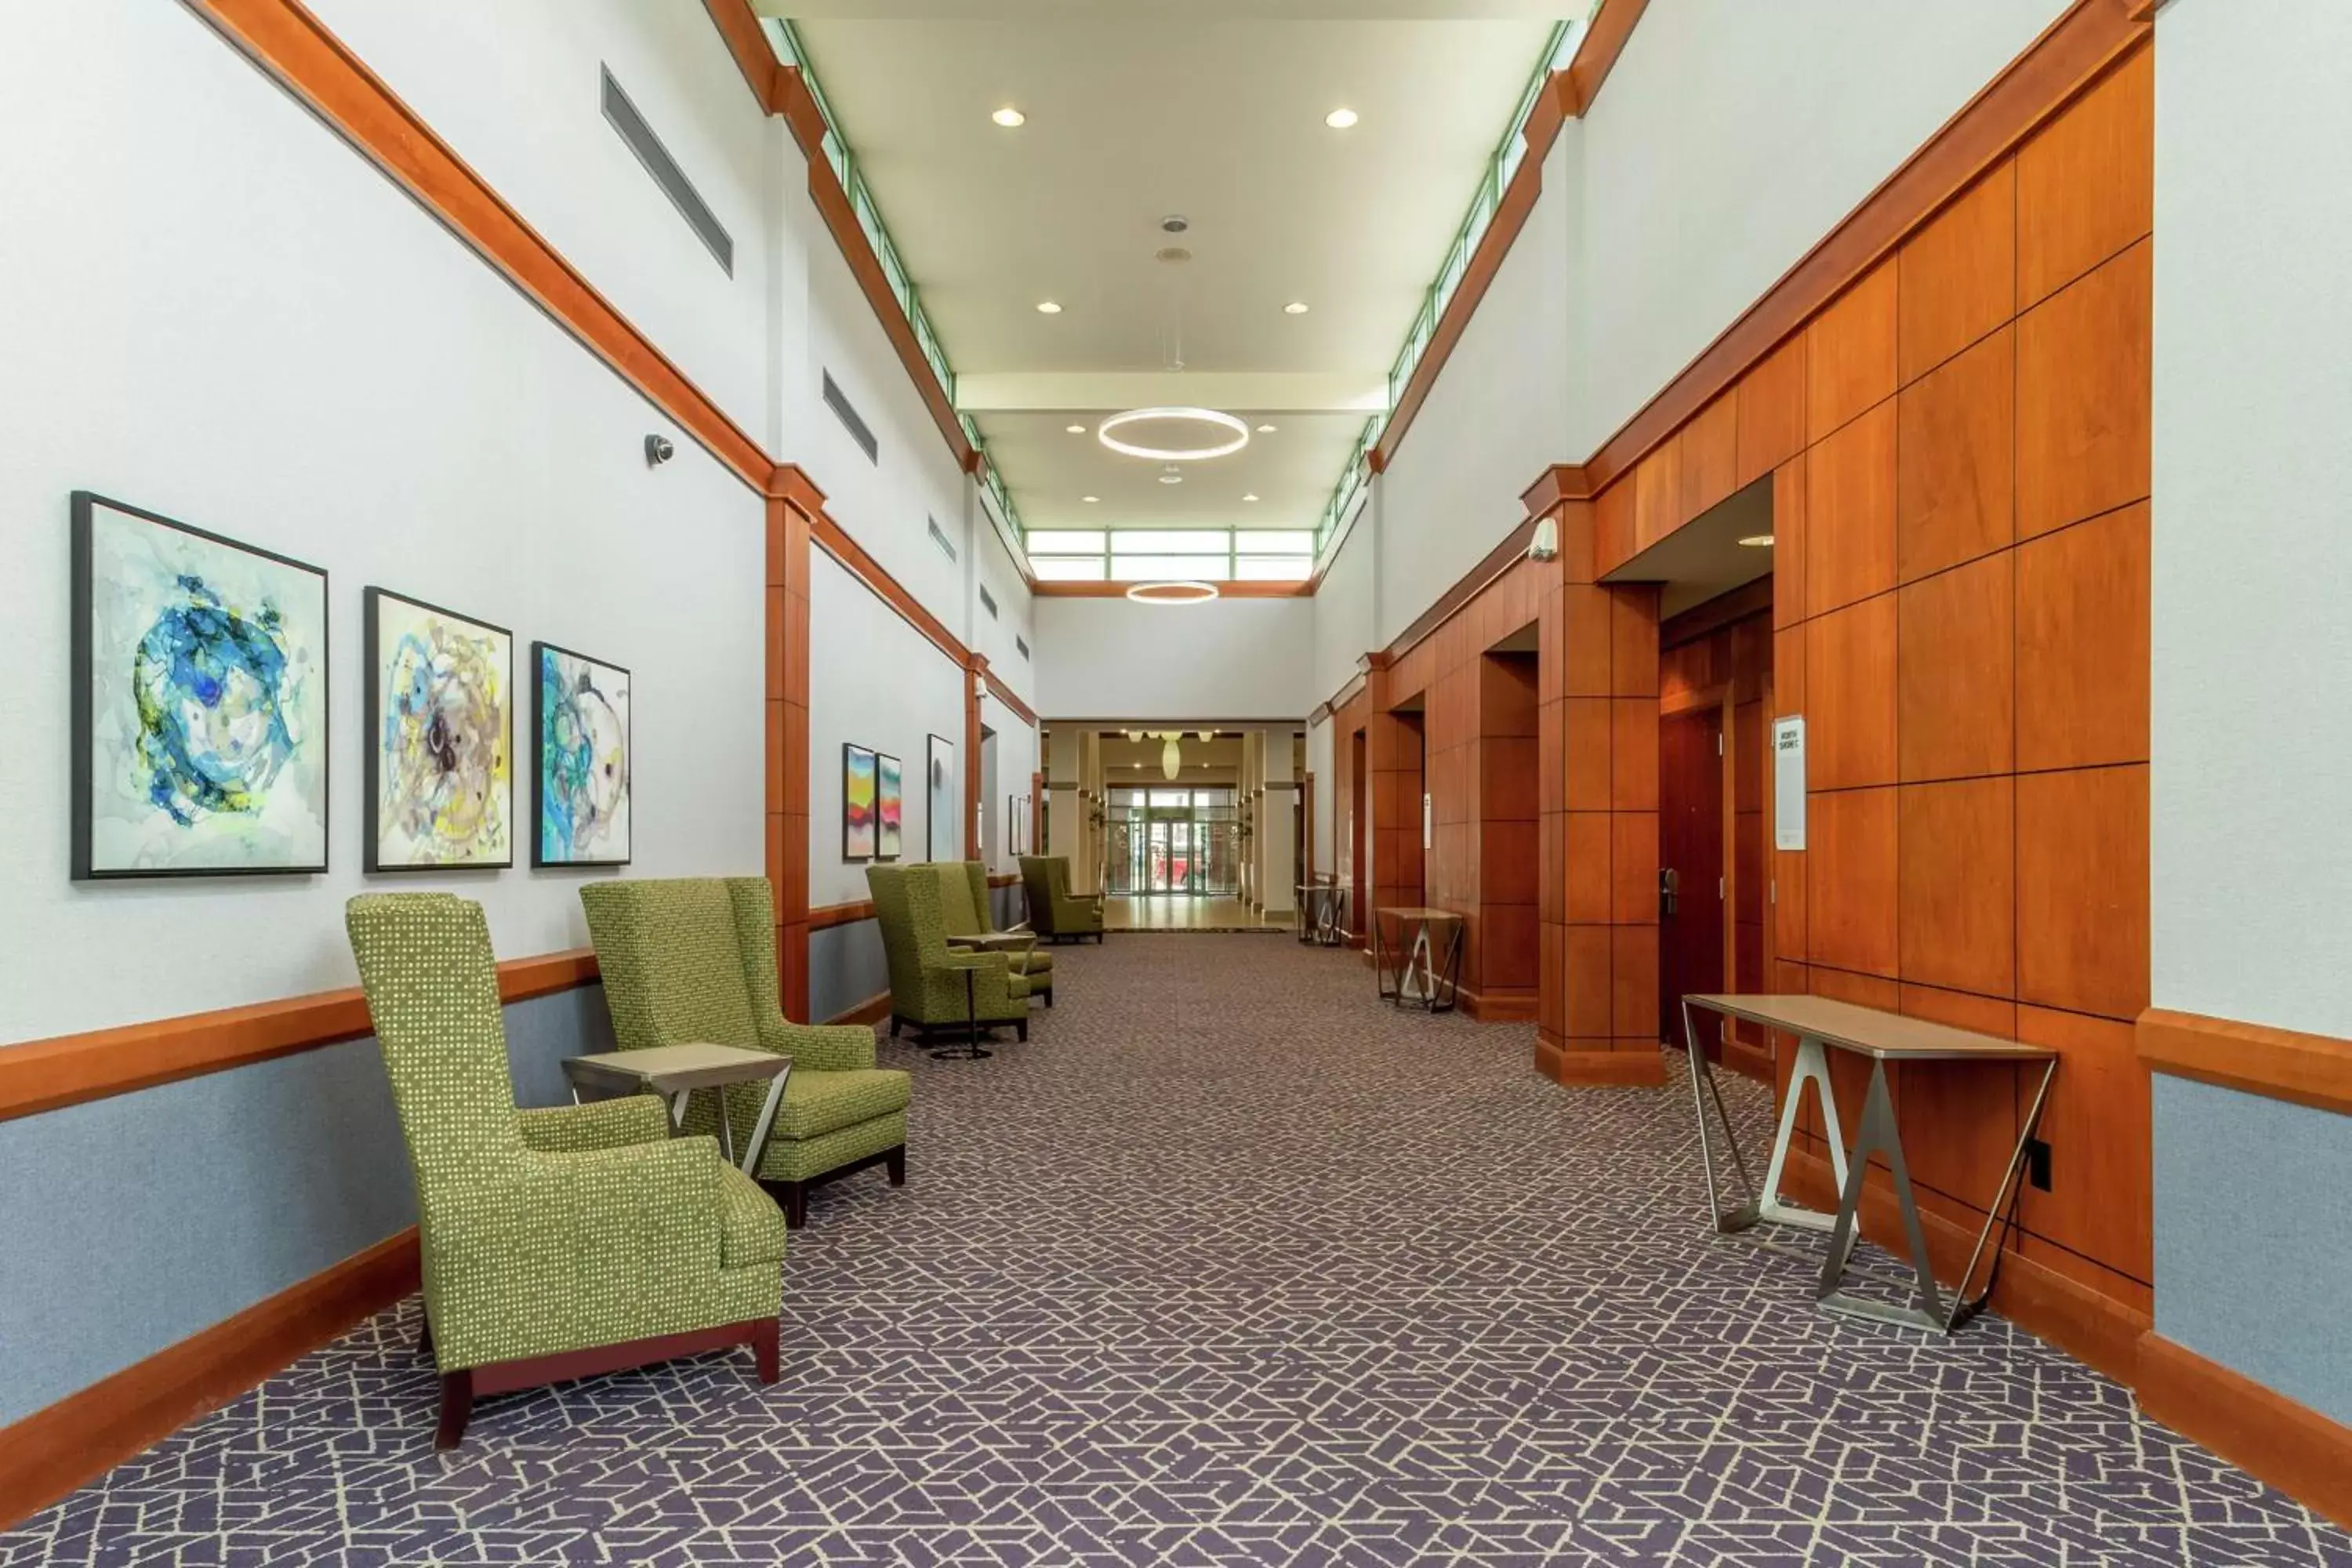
point(846, 967)
point(130, 1223)
point(2251, 1269)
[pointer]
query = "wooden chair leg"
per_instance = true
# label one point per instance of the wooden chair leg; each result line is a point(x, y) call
point(1021, 1030)
point(764, 1349)
point(457, 1408)
point(896, 1166)
point(796, 1196)
point(425, 1339)
point(894, 1027)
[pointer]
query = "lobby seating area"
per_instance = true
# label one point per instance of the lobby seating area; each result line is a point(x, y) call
point(1059, 914)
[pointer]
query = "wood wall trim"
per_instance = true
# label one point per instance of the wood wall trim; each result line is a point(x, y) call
point(853, 558)
point(1301, 590)
point(873, 1010)
point(70, 1070)
point(1596, 54)
point(850, 913)
point(2253, 1058)
point(287, 42)
point(1006, 695)
point(48, 1455)
point(2269, 1436)
point(1468, 586)
point(2071, 54)
point(748, 42)
point(1561, 483)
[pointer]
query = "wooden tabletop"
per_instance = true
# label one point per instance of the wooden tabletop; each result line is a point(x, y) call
point(667, 1070)
point(1890, 1037)
point(1425, 917)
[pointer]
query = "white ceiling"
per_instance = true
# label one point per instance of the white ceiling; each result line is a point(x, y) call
point(1136, 110)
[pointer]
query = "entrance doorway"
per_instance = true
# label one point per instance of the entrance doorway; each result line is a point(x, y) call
point(1691, 873)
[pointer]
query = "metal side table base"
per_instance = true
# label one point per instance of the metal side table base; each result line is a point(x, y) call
point(1765, 1206)
point(971, 1050)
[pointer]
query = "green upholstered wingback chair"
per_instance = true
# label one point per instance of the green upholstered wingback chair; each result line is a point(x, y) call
point(968, 911)
point(692, 960)
point(927, 976)
point(1054, 910)
point(556, 1243)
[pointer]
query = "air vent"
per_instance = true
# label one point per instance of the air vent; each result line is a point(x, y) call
point(846, 412)
point(939, 538)
point(987, 603)
point(666, 172)
point(1023, 646)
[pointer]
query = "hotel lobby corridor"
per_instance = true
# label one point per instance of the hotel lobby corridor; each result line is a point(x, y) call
point(1231, 1264)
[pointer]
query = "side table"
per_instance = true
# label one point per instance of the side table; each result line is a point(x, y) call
point(674, 1072)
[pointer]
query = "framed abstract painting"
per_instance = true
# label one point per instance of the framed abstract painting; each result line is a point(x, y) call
point(440, 737)
point(943, 802)
point(857, 803)
point(199, 701)
point(580, 763)
point(890, 806)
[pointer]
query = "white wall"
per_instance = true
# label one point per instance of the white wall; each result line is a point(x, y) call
point(1321, 762)
point(1344, 627)
point(243, 326)
point(1015, 615)
point(2251, 845)
point(514, 88)
point(1729, 139)
point(1229, 659)
point(1016, 759)
point(873, 681)
point(1497, 417)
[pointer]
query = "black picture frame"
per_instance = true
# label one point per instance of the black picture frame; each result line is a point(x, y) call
point(82, 720)
point(371, 706)
point(539, 649)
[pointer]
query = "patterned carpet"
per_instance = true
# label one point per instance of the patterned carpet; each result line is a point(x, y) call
point(1231, 1264)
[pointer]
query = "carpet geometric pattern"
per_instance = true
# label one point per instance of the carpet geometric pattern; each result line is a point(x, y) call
point(1231, 1264)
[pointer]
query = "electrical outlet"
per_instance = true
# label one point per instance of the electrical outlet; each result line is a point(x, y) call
point(2037, 1163)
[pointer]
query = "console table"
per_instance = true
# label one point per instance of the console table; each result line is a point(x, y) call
point(1821, 1025)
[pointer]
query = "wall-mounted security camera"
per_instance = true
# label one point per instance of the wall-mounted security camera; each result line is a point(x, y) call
point(658, 451)
point(1545, 544)
point(1175, 223)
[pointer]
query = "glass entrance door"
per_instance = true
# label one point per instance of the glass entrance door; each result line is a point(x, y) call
point(1172, 862)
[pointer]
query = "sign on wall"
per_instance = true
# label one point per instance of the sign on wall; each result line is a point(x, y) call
point(1789, 783)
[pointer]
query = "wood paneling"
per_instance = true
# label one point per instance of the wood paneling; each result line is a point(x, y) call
point(2253, 1058)
point(2082, 890)
point(1955, 673)
point(1597, 53)
point(1850, 902)
point(55, 1450)
point(1658, 495)
point(1850, 353)
point(1710, 457)
point(1956, 915)
point(2085, 182)
point(1789, 580)
point(1958, 275)
point(1955, 486)
point(2098, 1126)
point(1771, 410)
point(2289, 1445)
point(1849, 531)
point(1850, 672)
point(2083, 630)
point(2083, 369)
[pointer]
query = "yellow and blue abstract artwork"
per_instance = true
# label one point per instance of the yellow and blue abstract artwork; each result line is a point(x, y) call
point(440, 737)
point(199, 700)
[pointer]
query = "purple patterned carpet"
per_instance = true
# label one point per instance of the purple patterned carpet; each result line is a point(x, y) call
point(1231, 1265)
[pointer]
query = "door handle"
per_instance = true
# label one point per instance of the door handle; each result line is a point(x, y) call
point(1669, 886)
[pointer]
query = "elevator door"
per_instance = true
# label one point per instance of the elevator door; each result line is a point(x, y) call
point(1690, 862)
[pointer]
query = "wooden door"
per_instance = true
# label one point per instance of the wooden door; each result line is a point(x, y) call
point(1690, 847)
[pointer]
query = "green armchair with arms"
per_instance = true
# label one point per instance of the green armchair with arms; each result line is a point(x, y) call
point(972, 923)
point(1053, 909)
point(556, 1243)
point(928, 988)
point(692, 960)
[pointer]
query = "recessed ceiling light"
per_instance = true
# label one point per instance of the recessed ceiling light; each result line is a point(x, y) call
point(1757, 541)
point(1075, 429)
point(1295, 308)
point(1340, 118)
point(1090, 500)
point(1010, 117)
point(1266, 430)
point(1249, 498)
point(1048, 307)
point(1171, 479)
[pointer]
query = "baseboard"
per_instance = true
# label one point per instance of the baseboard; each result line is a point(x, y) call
point(1632, 1069)
point(1500, 1006)
point(873, 1010)
point(2291, 1445)
point(2095, 1329)
point(48, 1454)
point(1752, 1060)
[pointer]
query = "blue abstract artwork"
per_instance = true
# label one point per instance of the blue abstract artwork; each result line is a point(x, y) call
point(580, 775)
point(199, 700)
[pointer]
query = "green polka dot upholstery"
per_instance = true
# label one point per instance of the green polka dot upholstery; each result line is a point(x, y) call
point(546, 1231)
point(692, 960)
point(972, 907)
point(927, 976)
point(1053, 909)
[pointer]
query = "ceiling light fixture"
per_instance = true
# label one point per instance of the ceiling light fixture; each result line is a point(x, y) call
point(1757, 541)
point(1171, 479)
point(1173, 593)
point(1249, 498)
point(1340, 118)
point(1266, 430)
point(1075, 429)
point(1239, 431)
point(1090, 500)
point(1010, 118)
point(1295, 308)
point(1048, 307)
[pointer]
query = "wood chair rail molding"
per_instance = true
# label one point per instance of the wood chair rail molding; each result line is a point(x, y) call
point(2253, 1058)
point(68, 1069)
point(1009, 698)
point(48, 1455)
point(850, 913)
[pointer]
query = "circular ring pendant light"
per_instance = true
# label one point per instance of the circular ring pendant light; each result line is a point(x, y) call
point(1237, 430)
point(1173, 593)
